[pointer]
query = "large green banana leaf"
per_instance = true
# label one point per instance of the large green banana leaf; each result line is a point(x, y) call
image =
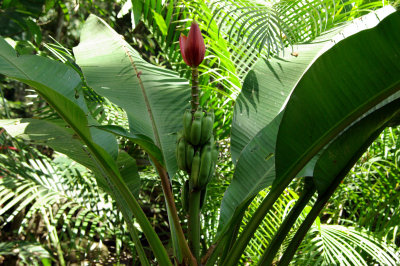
point(339, 157)
point(351, 144)
point(255, 167)
point(343, 84)
point(154, 98)
point(57, 84)
point(267, 86)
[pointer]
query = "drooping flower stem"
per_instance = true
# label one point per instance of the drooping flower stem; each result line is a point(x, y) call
point(195, 89)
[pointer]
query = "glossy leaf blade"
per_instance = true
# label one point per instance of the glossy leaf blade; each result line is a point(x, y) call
point(343, 84)
point(351, 144)
point(56, 83)
point(267, 86)
point(154, 98)
point(254, 171)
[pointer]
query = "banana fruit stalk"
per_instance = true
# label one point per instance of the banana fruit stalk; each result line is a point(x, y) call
point(203, 197)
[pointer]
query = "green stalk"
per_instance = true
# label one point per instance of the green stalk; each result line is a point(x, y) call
point(287, 224)
point(238, 248)
point(231, 237)
point(212, 254)
point(195, 89)
point(226, 237)
point(194, 223)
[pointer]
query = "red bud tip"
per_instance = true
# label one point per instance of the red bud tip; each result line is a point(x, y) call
point(192, 46)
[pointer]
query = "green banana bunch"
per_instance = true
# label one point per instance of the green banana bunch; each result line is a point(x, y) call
point(198, 128)
point(195, 150)
point(203, 166)
point(184, 153)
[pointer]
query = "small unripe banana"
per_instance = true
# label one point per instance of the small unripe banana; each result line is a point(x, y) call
point(194, 174)
point(206, 128)
point(195, 131)
point(185, 196)
point(205, 165)
point(181, 154)
point(214, 158)
point(189, 156)
point(187, 123)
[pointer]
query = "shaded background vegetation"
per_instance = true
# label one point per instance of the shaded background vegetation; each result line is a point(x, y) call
point(51, 209)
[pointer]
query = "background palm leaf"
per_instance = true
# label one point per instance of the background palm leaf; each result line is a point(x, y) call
point(61, 192)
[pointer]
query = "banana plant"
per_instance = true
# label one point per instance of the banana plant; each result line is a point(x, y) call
point(308, 114)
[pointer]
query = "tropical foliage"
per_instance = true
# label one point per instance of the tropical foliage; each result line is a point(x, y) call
point(88, 135)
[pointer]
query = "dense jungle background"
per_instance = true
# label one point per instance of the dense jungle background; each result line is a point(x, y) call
point(53, 213)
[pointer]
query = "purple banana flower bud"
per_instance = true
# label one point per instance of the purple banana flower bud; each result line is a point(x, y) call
point(192, 46)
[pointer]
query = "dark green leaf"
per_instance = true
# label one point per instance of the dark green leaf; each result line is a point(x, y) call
point(129, 172)
point(350, 145)
point(255, 170)
point(267, 86)
point(342, 85)
point(154, 98)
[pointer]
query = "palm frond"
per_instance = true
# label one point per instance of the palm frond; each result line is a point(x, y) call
point(342, 245)
point(324, 244)
point(29, 253)
point(255, 28)
point(62, 193)
point(269, 225)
